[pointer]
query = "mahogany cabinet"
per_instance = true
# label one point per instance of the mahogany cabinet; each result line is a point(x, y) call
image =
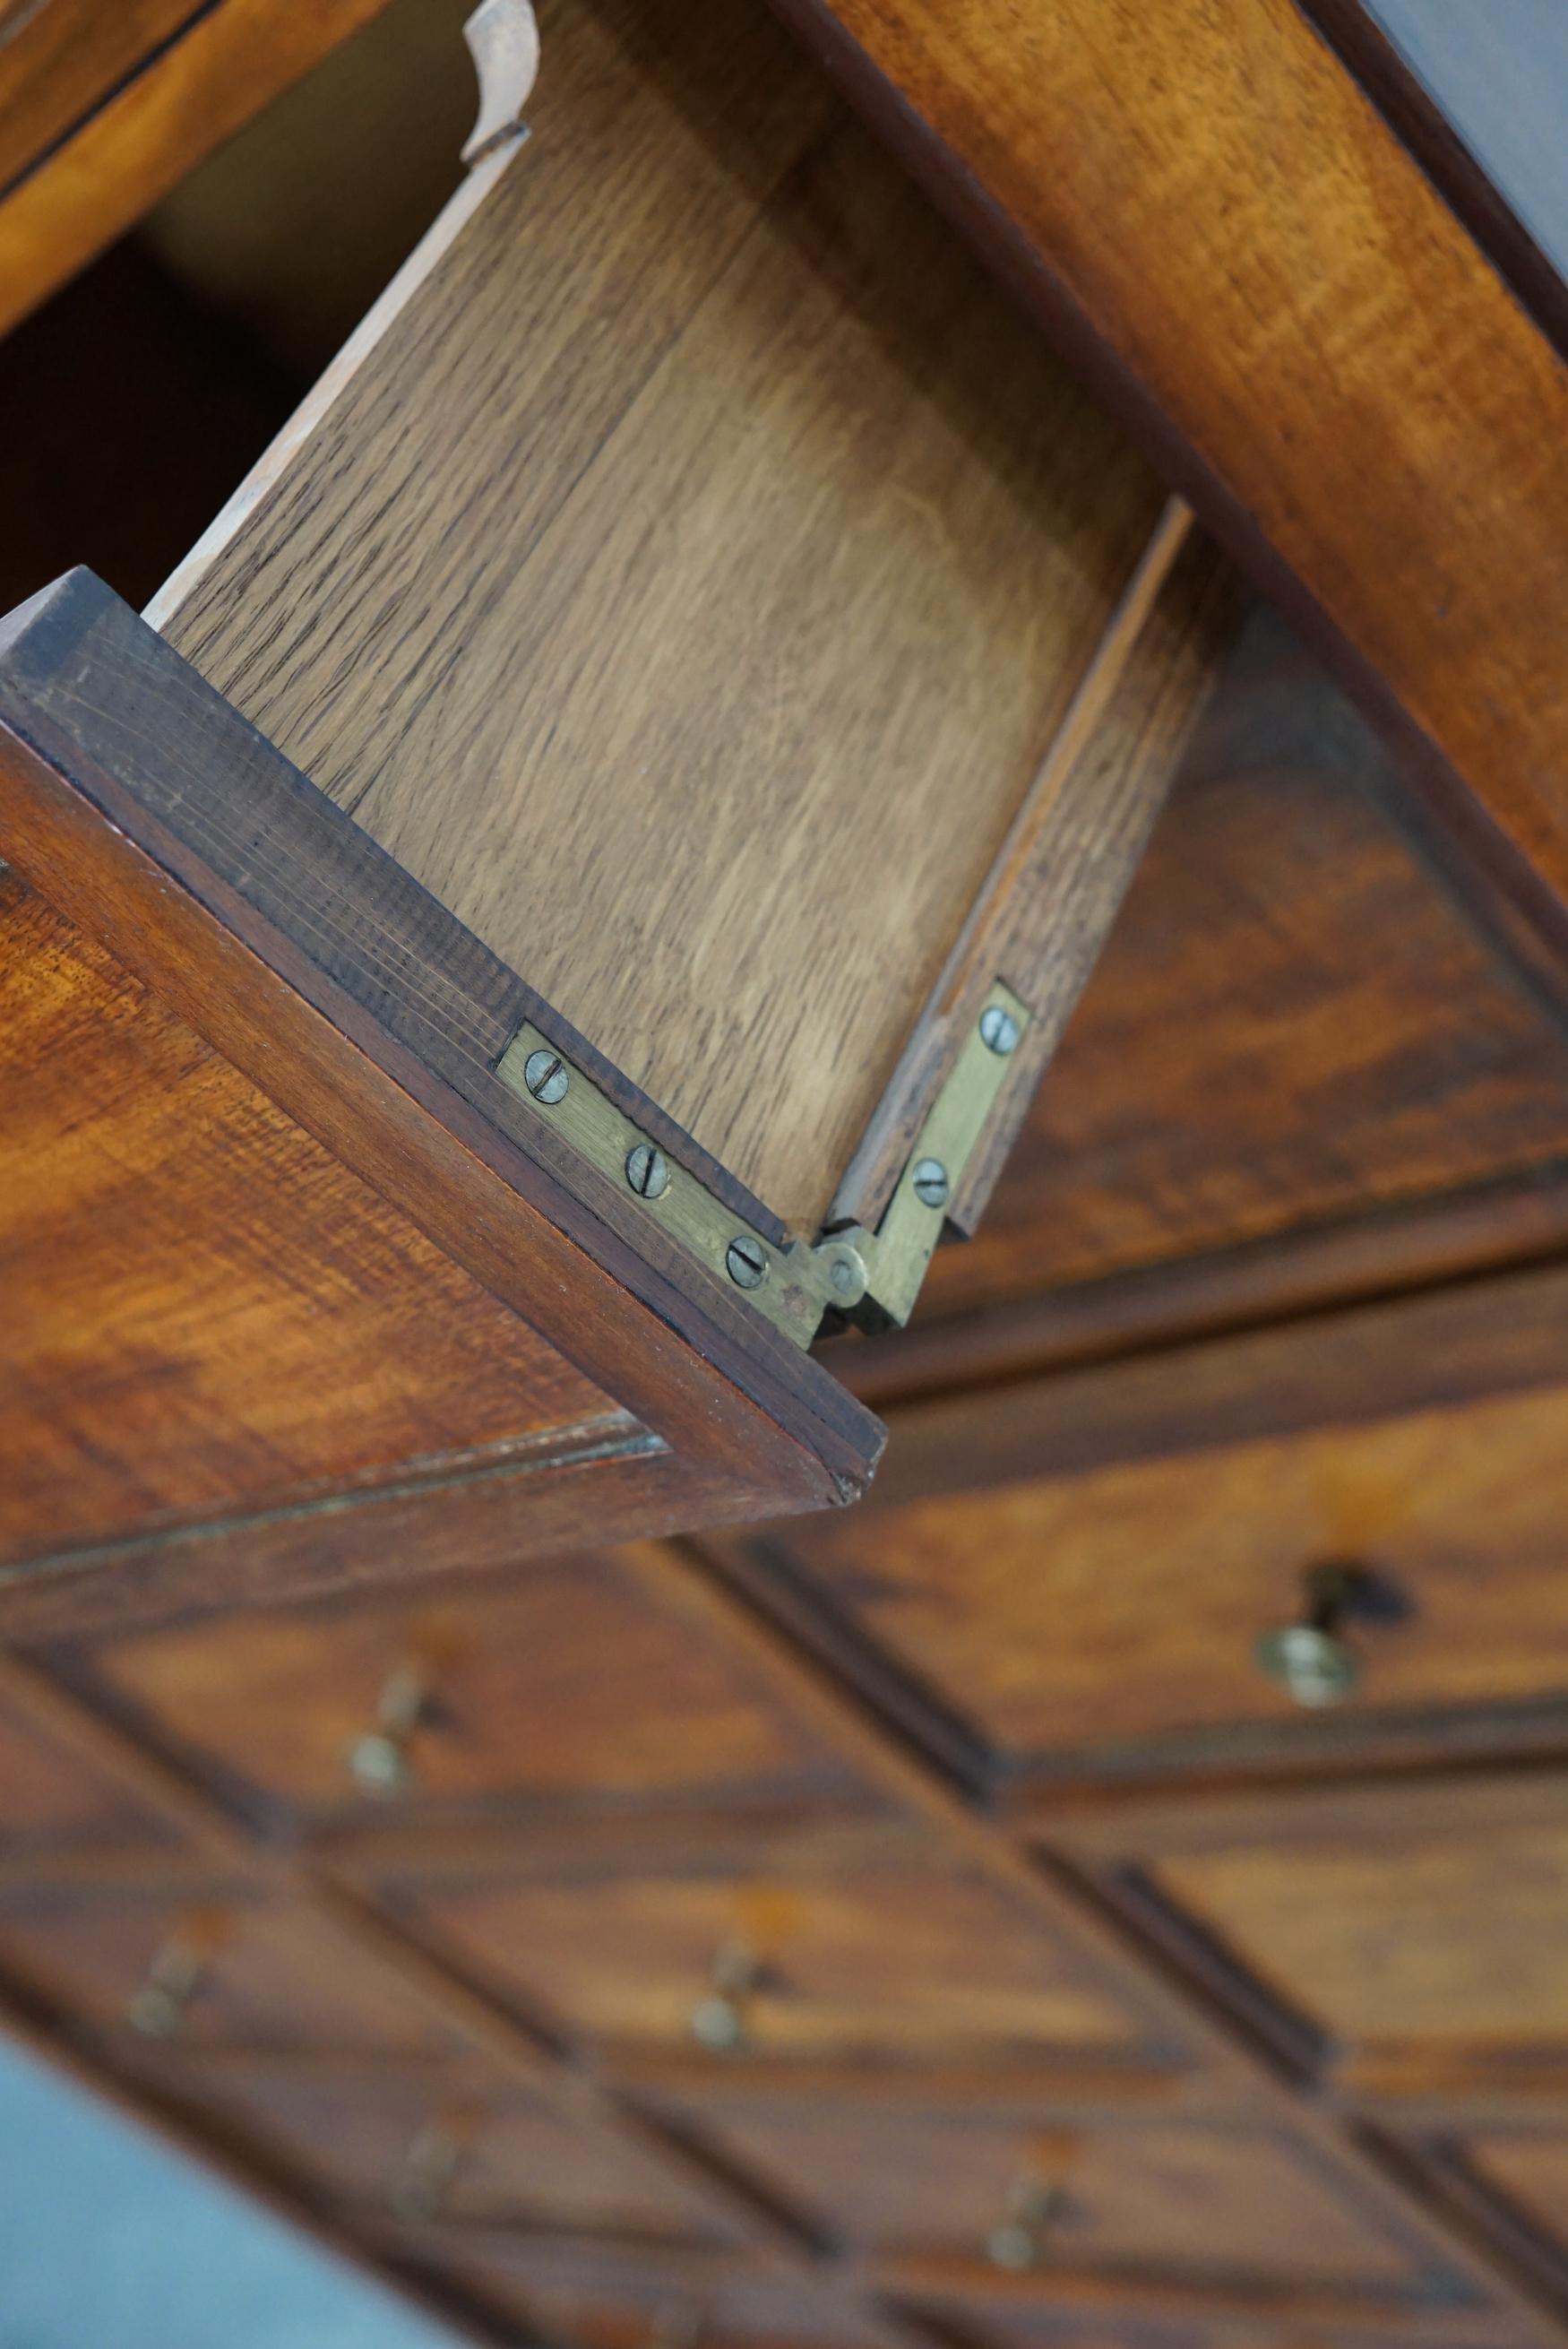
point(584, 1709)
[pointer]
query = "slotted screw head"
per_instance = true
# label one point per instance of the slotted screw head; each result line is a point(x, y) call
point(744, 1262)
point(931, 1181)
point(999, 1029)
point(647, 1171)
point(544, 1074)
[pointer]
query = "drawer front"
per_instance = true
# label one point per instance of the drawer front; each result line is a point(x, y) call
point(1021, 2190)
point(209, 1969)
point(1306, 1594)
point(859, 1945)
point(51, 1802)
point(598, 1682)
point(455, 2144)
point(618, 2301)
point(1403, 1939)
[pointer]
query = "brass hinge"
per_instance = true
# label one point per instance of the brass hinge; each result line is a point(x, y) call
point(871, 1278)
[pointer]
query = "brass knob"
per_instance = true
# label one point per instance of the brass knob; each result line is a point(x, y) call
point(380, 1762)
point(1019, 2242)
point(720, 2022)
point(156, 2008)
point(1309, 1659)
point(432, 2161)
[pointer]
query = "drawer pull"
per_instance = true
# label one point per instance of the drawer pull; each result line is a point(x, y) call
point(156, 2008)
point(432, 2161)
point(720, 2021)
point(380, 1762)
point(1308, 1658)
point(1019, 2243)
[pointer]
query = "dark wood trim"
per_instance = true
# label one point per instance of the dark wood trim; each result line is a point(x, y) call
point(1505, 1224)
point(1427, 1351)
point(1416, 119)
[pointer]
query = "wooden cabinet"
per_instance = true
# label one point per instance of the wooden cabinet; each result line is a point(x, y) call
point(861, 1945)
point(513, 963)
point(596, 1683)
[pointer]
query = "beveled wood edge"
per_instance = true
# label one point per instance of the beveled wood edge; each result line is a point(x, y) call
point(1436, 1348)
point(1504, 1223)
point(1418, 121)
point(139, 801)
point(314, 1549)
point(607, 1435)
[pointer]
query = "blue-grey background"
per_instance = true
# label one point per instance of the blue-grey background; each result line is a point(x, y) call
point(108, 2241)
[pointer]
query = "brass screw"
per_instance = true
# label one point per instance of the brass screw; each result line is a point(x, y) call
point(930, 1182)
point(998, 1029)
point(544, 1074)
point(744, 1262)
point(647, 1171)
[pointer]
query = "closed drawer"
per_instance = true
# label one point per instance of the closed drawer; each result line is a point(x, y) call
point(212, 1967)
point(611, 2300)
point(1327, 1593)
point(859, 1945)
point(599, 1684)
point(1401, 1939)
point(453, 2143)
point(1233, 2205)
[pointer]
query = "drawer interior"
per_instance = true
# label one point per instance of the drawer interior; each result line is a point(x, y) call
point(724, 552)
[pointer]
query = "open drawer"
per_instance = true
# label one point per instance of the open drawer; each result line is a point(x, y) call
point(639, 774)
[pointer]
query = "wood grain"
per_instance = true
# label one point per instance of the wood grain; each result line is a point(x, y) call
point(1414, 1933)
point(1292, 1026)
point(182, 96)
point(578, 1683)
point(893, 2176)
point(206, 1313)
point(1245, 261)
point(113, 720)
point(1102, 1626)
point(675, 727)
point(354, 2131)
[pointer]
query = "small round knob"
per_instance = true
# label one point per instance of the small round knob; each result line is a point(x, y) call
point(718, 2021)
point(1309, 1659)
point(380, 1762)
point(429, 2166)
point(156, 2008)
point(1019, 2244)
point(1313, 1666)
